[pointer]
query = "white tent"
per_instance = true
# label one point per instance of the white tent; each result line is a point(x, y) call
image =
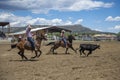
point(32, 30)
point(41, 30)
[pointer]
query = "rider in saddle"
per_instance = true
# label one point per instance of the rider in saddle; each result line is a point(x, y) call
point(63, 38)
point(29, 37)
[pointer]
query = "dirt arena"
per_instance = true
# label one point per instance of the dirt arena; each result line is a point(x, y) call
point(103, 64)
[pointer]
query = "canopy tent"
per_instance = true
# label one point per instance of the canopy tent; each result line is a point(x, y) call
point(42, 29)
point(32, 30)
point(3, 24)
point(57, 29)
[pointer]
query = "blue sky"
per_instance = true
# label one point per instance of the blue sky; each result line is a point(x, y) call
point(101, 15)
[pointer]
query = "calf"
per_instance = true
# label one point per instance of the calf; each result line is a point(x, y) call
point(88, 47)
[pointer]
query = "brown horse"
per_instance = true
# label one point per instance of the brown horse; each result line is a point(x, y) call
point(60, 43)
point(25, 45)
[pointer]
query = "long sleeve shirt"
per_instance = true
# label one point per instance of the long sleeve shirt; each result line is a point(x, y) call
point(28, 33)
point(62, 35)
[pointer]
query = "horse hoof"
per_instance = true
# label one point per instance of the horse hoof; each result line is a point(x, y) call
point(39, 55)
point(67, 53)
point(26, 58)
point(32, 57)
point(55, 53)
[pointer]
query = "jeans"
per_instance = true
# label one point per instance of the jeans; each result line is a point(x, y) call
point(65, 41)
point(30, 39)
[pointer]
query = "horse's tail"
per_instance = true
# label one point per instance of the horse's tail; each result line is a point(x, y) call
point(13, 46)
point(50, 43)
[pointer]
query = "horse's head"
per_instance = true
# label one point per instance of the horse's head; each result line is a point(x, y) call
point(41, 37)
point(71, 37)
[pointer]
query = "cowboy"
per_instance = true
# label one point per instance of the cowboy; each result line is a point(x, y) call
point(29, 37)
point(19, 38)
point(63, 38)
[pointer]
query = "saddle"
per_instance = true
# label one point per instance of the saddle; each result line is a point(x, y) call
point(28, 44)
point(62, 42)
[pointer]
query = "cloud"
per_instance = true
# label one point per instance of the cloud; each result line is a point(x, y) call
point(13, 19)
point(117, 27)
point(18, 21)
point(79, 21)
point(110, 18)
point(97, 29)
point(44, 6)
point(89, 5)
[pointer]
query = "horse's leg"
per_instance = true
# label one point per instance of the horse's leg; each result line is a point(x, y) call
point(50, 50)
point(89, 53)
point(35, 54)
point(73, 49)
point(22, 53)
point(40, 52)
point(54, 48)
point(66, 51)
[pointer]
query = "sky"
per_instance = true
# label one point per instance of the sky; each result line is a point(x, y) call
point(100, 15)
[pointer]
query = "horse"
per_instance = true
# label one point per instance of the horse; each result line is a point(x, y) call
point(25, 45)
point(60, 43)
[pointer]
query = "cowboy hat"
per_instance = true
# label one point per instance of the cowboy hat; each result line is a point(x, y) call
point(63, 31)
point(30, 27)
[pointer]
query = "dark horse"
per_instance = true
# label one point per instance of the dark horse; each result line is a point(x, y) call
point(25, 45)
point(60, 43)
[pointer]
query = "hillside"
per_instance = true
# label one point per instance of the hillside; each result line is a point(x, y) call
point(73, 28)
point(79, 29)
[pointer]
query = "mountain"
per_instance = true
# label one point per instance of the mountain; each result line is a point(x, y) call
point(79, 29)
point(73, 28)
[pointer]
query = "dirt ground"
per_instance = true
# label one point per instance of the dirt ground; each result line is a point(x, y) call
point(103, 64)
